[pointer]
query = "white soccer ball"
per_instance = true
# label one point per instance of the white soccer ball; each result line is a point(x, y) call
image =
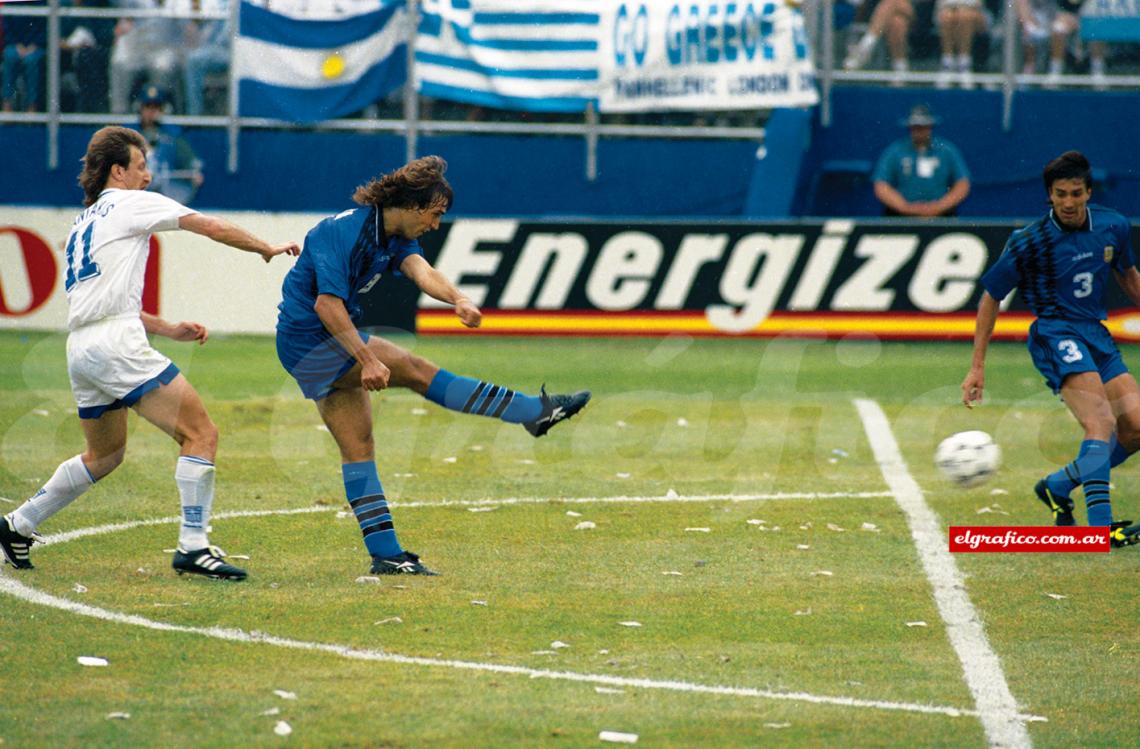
point(968, 458)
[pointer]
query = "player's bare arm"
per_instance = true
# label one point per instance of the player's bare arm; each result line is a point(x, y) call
point(437, 286)
point(374, 374)
point(231, 234)
point(180, 331)
point(892, 198)
point(975, 381)
point(1129, 281)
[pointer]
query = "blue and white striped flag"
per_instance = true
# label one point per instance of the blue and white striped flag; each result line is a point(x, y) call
point(534, 55)
point(308, 70)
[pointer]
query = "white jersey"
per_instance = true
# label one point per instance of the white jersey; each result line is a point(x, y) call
point(107, 251)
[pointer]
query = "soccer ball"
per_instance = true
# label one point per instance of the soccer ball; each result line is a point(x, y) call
point(968, 458)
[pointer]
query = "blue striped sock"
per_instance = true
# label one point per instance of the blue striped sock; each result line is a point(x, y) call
point(1063, 482)
point(366, 497)
point(482, 398)
point(1093, 467)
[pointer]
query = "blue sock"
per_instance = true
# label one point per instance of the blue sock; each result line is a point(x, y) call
point(1093, 469)
point(481, 398)
point(366, 497)
point(1063, 482)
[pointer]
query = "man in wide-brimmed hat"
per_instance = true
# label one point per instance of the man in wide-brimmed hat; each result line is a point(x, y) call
point(921, 176)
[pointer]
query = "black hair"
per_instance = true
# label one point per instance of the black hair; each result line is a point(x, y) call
point(1069, 165)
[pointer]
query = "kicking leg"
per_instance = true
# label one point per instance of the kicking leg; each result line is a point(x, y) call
point(1087, 399)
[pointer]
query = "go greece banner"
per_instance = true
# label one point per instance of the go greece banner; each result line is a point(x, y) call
point(703, 54)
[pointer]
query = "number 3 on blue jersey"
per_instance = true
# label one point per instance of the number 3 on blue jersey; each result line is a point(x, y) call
point(86, 269)
point(1084, 283)
point(1070, 352)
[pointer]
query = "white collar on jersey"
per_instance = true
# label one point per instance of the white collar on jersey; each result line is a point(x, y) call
point(1088, 221)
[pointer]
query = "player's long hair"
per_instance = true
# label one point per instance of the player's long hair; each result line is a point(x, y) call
point(107, 147)
point(417, 184)
point(1069, 165)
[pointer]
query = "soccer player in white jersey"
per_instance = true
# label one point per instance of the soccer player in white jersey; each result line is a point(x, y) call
point(109, 359)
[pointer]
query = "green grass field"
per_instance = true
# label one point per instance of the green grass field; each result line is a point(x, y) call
point(798, 631)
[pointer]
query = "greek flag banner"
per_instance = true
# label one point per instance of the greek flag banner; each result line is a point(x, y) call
point(534, 55)
point(304, 70)
point(704, 54)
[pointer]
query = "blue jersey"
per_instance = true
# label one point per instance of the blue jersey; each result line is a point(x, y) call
point(345, 256)
point(1060, 273)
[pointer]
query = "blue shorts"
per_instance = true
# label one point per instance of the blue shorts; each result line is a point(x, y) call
point(1060, 348)
point(316, 361)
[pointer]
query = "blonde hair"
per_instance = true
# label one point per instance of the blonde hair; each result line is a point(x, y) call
point(417, 184)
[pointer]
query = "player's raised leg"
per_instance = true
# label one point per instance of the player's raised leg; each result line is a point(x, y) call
point(177, 409)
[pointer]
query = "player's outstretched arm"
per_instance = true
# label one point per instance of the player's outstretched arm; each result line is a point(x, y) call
point(220, 230)
point(975, 381)
point(1129, 281)
point(433, 283)
point(180, 331)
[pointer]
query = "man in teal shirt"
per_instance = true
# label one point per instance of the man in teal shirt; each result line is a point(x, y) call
point(921, 176)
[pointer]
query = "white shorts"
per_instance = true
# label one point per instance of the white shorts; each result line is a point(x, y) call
point(111, 365)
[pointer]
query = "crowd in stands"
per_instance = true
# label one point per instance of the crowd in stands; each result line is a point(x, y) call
point(183, 46)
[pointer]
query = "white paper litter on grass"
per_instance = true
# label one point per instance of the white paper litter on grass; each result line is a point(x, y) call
point(239, 556)
point(870, 527)
point(403, 475)
point(620, 424)
point(544, 652)
point(368, 580)
point(451, 459)
point(777, 725)
point(997, 492)
point(672, 572)
point(995, 509)
point(476, 448)
point(92, 660)
point(9, 501)
point(805, 527)
point(916, 624)
point(572, 514)
point(478, 603)
point(558, 645)
point(630, 624)
point(390, 620)
point(836, 528)
point(804, 612)
point(118, 716)
point(80, 588)
point(1056, 596)
point(41, 412)
point(342, 514)
point(321, 428)
point(492, 508)
point(585, 525)
point(285, 695)
point(608, 690)
point(802, 547)
point(698, 530)
point(623, 475)
point(672, 494)
point(419, 412)
point(272, 711)
point(757, 521)
point(282, 728)
point(682, 422)
point(822, 573)
point(618, 737)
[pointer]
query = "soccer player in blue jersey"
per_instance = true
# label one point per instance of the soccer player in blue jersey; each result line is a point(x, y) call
point(1060, 265)
point(336, 364)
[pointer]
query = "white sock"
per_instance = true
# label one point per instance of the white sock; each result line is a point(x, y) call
point(1097, 66)
point(69, 481)
point(964, 63)
point(947, 62)
point(900, 66)
point(195, 479)
point(868, 42)
point(1056, 67)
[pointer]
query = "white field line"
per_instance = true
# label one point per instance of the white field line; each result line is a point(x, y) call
point(19, 590)
point(58, 538)
point(996, 707)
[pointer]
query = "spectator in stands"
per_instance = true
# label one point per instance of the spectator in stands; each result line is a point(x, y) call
point(921, 176)
point(1066, 21)
point(86, 46)
point(890, 18)
point(25, 42)
point(175, 169)
point(211, 55)
point(958, 22)
point(144, 48)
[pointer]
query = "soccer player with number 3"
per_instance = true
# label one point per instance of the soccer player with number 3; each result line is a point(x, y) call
point(109, 359)
point(1060, 265)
